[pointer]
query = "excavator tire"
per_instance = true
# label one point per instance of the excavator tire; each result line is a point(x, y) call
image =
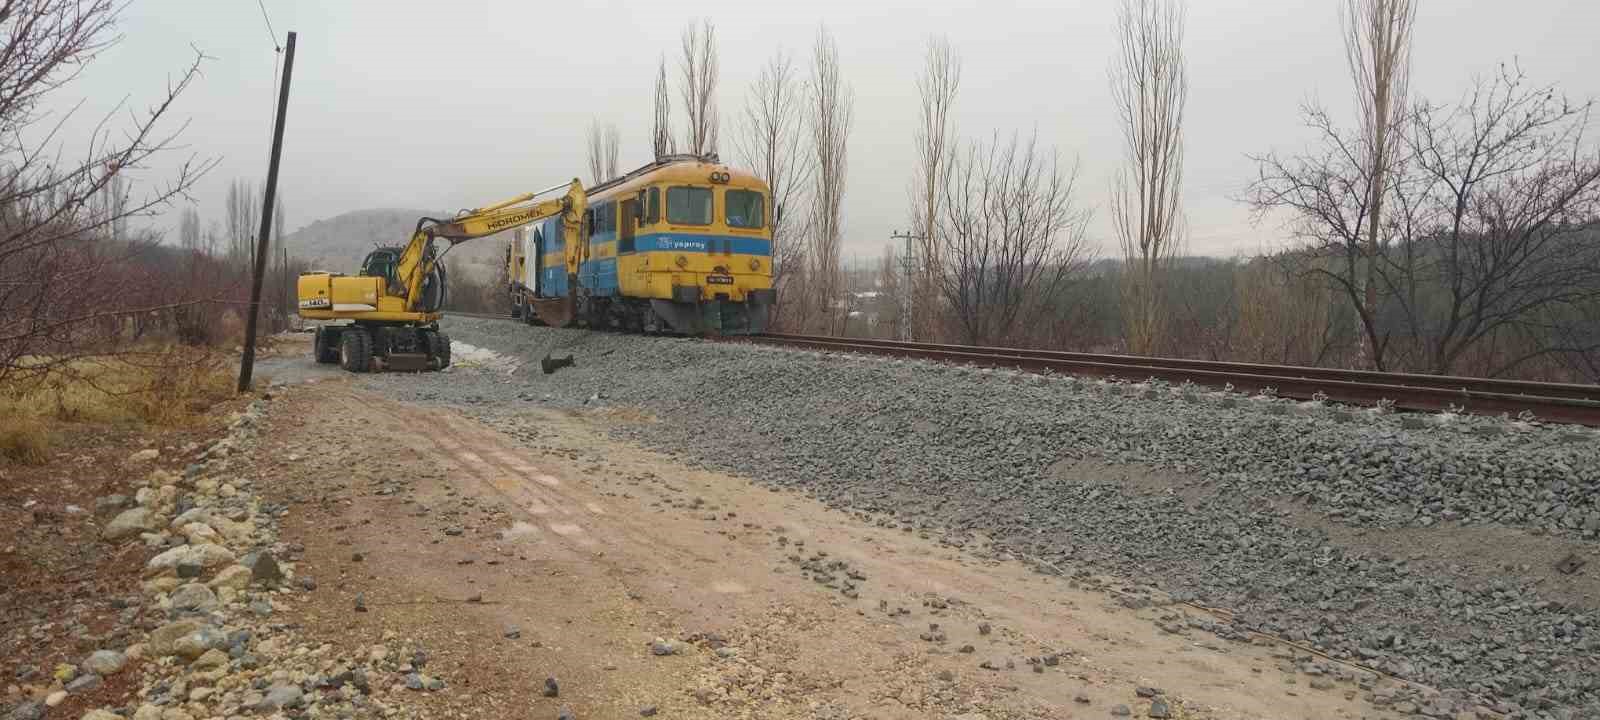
point(327, 346)
point(355, 350)
point(438, 348)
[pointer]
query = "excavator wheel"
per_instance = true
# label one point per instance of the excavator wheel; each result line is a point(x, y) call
point(355, 350)
point(438, 348)
point(326, 346)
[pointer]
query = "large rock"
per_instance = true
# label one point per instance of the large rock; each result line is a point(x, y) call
point(192, 515)
point(130, 523)
point(105, 662)
point(205, 555)
point(264, 569)
point(27, 710)
point(237, 532)
point(210, 660)
point(282, 696)
point(232, 576)
point(164, 640)
point(144, 455)
point(194, 597)
point(196, 643)
point(200, 533)
point(109, 505)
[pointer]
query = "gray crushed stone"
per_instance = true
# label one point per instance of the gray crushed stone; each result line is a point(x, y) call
point(960, 452)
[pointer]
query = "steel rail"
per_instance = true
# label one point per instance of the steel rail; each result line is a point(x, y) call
point(1554, 402)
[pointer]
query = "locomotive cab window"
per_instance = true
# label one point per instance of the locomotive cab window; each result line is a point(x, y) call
point(652, 213)
point(744, 209)
point(689, 205)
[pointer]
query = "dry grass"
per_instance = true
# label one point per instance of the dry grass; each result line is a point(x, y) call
point(24, 440)
point(166, 387)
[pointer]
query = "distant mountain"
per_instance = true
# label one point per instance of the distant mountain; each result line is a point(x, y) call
point(339, 243)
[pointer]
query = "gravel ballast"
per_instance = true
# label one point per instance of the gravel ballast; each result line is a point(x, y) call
point(1255, 505)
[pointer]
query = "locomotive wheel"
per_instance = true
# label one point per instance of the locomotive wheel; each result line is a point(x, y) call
point(355, 350)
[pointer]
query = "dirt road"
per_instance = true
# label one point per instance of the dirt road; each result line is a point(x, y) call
point(539, 548)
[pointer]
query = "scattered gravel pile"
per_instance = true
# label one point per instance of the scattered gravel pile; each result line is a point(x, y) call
point(1029, 463)
point(208, 643)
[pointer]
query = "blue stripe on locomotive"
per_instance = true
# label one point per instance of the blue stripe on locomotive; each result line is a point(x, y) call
point(600, 275)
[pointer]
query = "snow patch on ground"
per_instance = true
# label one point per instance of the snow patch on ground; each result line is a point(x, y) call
point(463, 355)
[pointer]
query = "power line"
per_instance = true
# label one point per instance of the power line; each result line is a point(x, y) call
point(271, 34)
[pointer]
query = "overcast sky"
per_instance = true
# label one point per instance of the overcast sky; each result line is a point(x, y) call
point(442, 105)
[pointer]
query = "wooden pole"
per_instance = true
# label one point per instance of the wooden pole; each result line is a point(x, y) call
point(248, 362)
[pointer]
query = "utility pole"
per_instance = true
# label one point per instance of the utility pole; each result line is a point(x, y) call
point(248, 362)
point(908, 264)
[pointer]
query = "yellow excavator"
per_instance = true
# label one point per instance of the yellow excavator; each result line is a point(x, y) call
point(394, 304)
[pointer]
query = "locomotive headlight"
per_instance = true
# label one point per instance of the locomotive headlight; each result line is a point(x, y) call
point(682, 261)
point(754, 264)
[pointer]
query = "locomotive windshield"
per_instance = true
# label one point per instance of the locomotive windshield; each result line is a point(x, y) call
point(744, 208)
point(689, 205)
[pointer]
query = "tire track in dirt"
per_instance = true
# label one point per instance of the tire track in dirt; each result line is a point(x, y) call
point(554, 506)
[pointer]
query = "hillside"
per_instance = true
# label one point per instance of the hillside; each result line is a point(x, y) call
point(340, 242)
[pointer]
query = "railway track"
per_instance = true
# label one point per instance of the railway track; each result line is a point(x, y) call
point(1551, 402)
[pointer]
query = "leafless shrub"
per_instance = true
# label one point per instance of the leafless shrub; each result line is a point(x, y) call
point(1489, 248)
point(71, 274)
point(1496, 224)
point(1011, 234)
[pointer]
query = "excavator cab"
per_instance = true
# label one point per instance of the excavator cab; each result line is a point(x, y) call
point(382, 262)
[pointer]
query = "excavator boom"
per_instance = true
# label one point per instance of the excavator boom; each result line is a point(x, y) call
point(416, 264)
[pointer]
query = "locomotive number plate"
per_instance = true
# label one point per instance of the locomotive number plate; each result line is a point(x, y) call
point(719, 279)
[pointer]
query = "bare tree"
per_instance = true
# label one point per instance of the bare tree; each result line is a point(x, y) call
point(1012, 234)
point(938, 85)
point(69, 269)
point(243, 214)
point(1501, 201)
point(613, 151)
point(597, 153)
point(771, 144)
point(891, 289)
point(1378, 47)
point(277, 222)
point(698, 73)
point(662, 143)
point(1149, 84)
point(189, 233)
point(832, 109)
point(1490, 233)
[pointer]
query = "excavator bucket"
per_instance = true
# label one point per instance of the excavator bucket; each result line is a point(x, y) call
point(556, 312)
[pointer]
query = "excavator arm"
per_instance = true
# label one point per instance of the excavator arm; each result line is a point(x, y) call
point(416, 263)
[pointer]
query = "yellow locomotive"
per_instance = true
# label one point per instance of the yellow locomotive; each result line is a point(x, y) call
point(681, 245)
